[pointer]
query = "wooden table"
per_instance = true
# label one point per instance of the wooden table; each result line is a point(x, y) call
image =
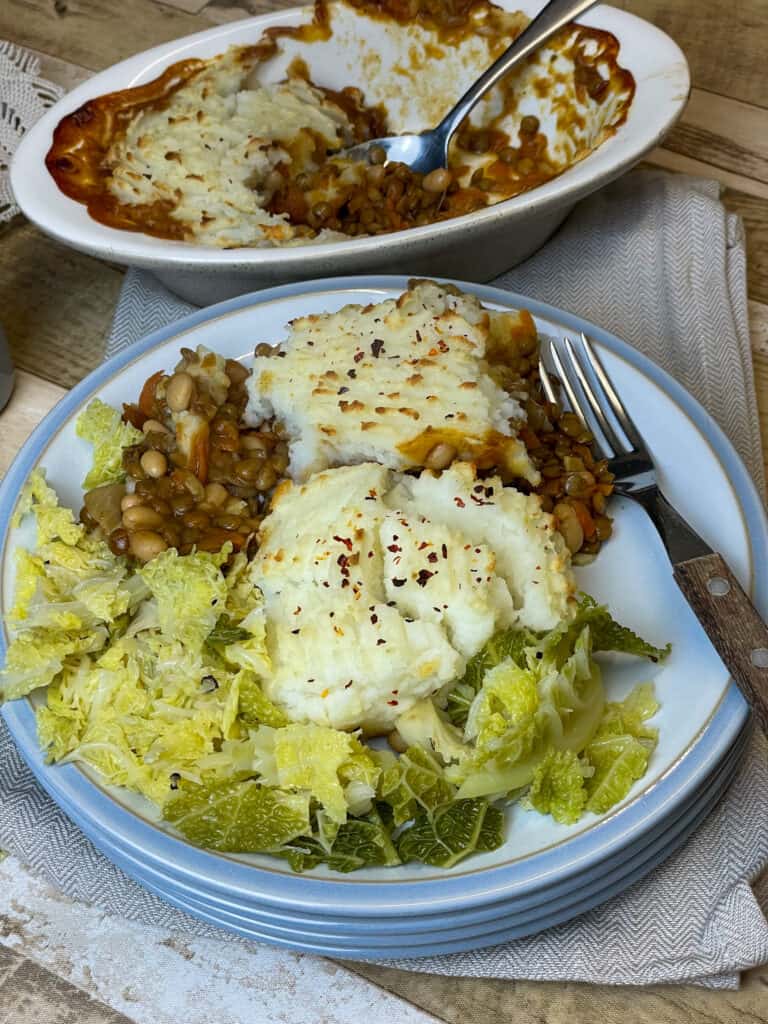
point(57, 306)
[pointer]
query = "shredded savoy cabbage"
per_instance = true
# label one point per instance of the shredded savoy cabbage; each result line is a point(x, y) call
point(151, 676)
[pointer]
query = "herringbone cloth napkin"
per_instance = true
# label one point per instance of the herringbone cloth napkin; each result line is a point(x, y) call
point(657, 260)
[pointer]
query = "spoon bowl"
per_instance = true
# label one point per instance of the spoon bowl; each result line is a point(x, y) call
point(428, 151)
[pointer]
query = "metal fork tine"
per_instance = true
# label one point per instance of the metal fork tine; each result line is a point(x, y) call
point(623, 418)
point(547, 384)
point(566, 382)
point(604, 423)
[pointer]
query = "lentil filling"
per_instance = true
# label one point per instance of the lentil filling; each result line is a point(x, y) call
point(200, 478)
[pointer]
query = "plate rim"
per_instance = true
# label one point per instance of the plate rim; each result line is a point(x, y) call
point(700, 803)
point(430, 894)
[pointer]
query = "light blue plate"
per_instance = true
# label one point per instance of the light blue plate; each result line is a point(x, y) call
point(377, 936)
point(476, 885)
point(369, 944)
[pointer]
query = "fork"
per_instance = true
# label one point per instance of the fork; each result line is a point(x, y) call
point(725, 612)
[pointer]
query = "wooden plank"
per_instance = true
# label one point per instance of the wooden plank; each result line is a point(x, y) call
point(31, 400)
point(30, 994)
point(758, 327)
point(190, 6)
point(726, 133)
point(93, 33)
point(61, 72)
point(672, 161)
point(754, 213)
point(57, 304)
point(486, 1001)
point(725, 43)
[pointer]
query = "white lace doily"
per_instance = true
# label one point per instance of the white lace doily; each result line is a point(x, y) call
point(24, 97)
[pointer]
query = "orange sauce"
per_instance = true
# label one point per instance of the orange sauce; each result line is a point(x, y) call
point(81, 141)
point(486, 452)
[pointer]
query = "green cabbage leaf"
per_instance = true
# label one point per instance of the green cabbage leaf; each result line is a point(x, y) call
point(104, 428)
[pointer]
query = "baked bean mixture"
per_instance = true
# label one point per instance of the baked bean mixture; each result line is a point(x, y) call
point(370, 200)
point(200, 478)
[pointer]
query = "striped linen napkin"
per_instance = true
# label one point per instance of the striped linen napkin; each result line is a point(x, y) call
point(657, 260)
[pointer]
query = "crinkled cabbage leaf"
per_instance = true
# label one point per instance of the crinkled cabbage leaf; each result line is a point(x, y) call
point(153, 679)
point(106, 430)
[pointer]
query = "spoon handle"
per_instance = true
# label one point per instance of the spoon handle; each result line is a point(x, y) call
point(547, 22)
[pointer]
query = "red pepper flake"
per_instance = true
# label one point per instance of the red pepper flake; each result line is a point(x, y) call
point(345, 541)
point(352, 373)
point(377, 347)
point(424, 544)
point(394, 548)
point(459, 502)
point(358, 356)
point(398, 583)
point(393, 703)
point(432, 556)
point(433, 352)
point(444, 550)
point(380, 641)
point(326, 583)
point(442, 346)
point(342, 391)
point(311, 680)
point(370, 554)
point(418, 335)
point(374, 619)
point(424, 577)
point(298, 610)
point(344, 583)
point(478, 488)
point(347, 685)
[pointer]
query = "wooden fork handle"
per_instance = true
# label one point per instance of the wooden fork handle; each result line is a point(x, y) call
point(733, 625)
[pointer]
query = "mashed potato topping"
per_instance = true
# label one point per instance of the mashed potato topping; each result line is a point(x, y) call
point(378, 588)
point(210, 149)
point(390, 382)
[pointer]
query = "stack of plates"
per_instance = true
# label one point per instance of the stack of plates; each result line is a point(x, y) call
point(545, 873)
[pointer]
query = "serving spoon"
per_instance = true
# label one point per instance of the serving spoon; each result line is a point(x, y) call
point(428, 151)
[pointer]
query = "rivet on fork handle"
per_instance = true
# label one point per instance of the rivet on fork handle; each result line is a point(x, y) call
point(732, 624)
